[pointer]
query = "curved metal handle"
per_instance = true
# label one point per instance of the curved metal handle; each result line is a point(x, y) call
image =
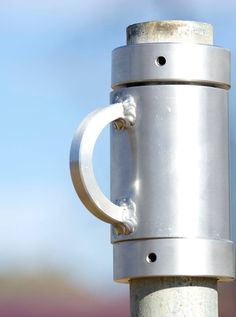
point(122, 217)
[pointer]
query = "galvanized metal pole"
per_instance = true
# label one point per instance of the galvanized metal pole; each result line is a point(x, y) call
point(172, 296)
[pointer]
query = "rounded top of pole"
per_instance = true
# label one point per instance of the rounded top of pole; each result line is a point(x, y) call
point(170, 31)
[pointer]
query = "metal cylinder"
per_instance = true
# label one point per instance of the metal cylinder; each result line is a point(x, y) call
point(173, 163)
point(169, 206)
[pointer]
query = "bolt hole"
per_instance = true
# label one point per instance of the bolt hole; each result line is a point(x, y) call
point(151, 258)
point(160, 61)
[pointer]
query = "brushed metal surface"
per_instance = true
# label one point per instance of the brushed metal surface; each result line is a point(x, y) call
point(174, 162)
point(190, 63)
point(174, 257)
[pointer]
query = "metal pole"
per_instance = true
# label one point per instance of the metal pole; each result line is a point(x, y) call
point(174, 297)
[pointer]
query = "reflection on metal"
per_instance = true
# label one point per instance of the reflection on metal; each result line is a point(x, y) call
point(169, 206)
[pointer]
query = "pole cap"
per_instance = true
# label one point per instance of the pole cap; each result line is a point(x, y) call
point(170, 31)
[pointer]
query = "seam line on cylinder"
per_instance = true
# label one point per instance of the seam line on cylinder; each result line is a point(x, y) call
point(166, 82)
point(170, 238)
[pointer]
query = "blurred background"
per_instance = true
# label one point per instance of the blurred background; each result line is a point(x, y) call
point(55, 66)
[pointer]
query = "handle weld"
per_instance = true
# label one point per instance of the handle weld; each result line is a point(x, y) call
point(129, 219)
point(129, 117)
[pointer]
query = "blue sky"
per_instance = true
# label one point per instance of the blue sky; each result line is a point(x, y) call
point(55, 65)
